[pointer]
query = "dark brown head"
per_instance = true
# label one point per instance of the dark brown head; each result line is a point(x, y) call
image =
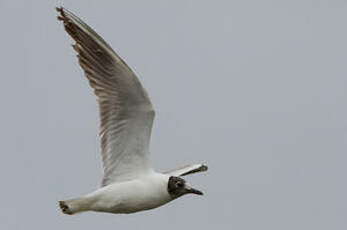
point(178, 187)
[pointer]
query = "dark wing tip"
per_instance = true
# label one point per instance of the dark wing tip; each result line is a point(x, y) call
point(60, 10)
point(63, 16)
point(203, 168)
point(67, 18)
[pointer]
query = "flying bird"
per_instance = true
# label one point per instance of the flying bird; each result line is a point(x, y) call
point(129, 183)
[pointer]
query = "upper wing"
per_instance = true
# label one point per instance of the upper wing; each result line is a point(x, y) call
point(126, 112)
point(187, 169)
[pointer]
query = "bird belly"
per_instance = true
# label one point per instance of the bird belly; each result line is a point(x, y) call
point(131, 206)
point(130, 197)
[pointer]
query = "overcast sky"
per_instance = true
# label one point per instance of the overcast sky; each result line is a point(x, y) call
point(257, 90)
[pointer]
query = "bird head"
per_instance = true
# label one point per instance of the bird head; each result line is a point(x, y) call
point(178, 187)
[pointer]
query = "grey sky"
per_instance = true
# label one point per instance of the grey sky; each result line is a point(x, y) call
point(255, 89)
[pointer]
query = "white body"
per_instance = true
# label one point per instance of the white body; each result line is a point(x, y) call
point(144, 193)
point(126, 118)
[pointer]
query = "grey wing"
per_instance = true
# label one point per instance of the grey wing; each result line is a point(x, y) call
point(126, 112)
point(187, 169)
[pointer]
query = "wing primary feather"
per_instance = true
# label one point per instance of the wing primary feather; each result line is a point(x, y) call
point(126, 112)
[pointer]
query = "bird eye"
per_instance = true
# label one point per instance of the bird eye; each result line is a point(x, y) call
point(179, 184)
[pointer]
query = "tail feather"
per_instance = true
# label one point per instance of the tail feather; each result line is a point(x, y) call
point(73, 206)
point(65, 208)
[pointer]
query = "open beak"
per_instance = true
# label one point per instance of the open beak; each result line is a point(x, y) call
point(192, 190)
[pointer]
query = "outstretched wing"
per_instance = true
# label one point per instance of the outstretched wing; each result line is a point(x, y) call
point(188, 169)
point(126, 112)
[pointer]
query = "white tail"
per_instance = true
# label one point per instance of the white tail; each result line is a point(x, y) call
point(73, 206)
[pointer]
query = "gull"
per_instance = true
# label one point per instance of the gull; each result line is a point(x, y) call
point(129, 183)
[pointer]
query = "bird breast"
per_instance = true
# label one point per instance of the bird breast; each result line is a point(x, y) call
point(132, 196)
